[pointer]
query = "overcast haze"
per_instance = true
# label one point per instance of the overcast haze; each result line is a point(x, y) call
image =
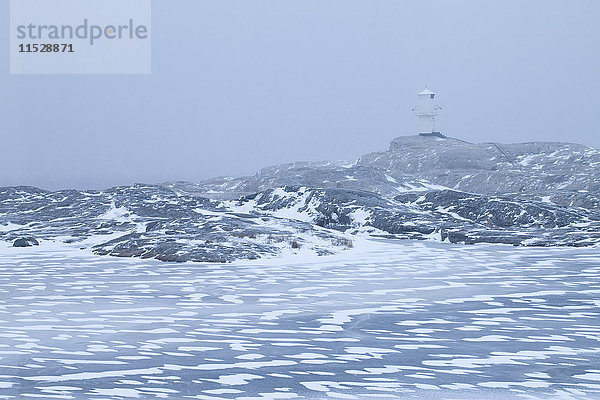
point(238, 85)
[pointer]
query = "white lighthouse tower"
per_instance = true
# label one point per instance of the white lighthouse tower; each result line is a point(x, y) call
point(427, 110)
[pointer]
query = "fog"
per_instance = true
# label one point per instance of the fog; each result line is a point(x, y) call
point(239, 85)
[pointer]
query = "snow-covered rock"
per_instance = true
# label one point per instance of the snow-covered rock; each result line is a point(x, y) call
point(563, 173)
point(531, 194)
point(154, 222)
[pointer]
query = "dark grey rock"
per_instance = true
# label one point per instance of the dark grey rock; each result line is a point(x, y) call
point(25, 242)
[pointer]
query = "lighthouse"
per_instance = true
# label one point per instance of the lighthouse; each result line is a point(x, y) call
point(427, 110)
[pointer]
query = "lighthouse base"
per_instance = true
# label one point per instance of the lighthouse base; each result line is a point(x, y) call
point(434, 134)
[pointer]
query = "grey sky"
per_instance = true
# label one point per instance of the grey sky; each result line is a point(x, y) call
point(238, 85)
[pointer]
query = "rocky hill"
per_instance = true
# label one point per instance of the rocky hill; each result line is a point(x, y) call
point(532, 194)
point(559, 170)
point(563, 173)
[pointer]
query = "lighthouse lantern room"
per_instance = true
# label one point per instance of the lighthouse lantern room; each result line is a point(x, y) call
point(427, 110)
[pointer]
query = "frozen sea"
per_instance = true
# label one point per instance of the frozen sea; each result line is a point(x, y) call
point(383, 320)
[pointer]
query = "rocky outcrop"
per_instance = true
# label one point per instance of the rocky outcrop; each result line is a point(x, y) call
point(563, 173)
point(530, 194)
point(455, 216)
point(497, 211)
point(153, 222)
point(528, 169)
point(26, 242)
